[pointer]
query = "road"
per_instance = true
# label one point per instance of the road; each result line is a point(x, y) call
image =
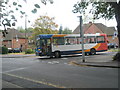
point(36, 72)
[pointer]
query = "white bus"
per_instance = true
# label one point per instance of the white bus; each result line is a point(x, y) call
point(66, 44)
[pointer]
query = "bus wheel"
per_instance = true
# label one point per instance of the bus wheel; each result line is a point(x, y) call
point(57, 54)
point(92, 51)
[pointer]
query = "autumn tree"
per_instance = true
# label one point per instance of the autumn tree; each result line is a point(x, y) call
point(101, 9)
point(44, 25)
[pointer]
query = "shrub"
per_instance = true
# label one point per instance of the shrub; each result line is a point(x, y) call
point(29, 51)
point(4, 50)
point(117, 57)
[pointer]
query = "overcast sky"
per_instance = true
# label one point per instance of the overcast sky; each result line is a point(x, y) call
point(60, 9)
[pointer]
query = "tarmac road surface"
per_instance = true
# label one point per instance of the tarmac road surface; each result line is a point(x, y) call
point(36, 72)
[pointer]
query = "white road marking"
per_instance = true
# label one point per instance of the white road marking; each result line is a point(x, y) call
point(64, 58)
point(13, 70)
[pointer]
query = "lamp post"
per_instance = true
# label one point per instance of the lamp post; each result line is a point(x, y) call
point(82, 38)
point(25, 32)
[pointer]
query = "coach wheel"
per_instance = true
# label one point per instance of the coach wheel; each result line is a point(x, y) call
point(57, 54)
point(92, 51)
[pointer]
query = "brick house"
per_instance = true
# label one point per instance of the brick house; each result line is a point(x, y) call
point(0, 38)
point(92, 28)
point(14, 39)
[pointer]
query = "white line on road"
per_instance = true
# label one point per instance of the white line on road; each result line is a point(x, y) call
point(13, 70)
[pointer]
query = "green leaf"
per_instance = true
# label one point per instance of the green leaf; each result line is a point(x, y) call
point(14, 3)
point(34, 11)
point(16, 8)
point(11, 11)
point(20, 5)
point(13, 24)
point(13, 17)
point(29, 21)
point(22, 12)
point(37, 6)
point(7, 22)
point(15, 20)
point(1, 15)
point(6, 2)
point(5, 14)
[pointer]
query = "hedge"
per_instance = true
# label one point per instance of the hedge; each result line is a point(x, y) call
point(29, 51)
point(4, 50)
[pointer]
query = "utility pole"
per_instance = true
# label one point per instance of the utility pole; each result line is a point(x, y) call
point(25, 32)
point(82, 38)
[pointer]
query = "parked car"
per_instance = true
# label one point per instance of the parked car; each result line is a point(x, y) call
point(10, 50)
point(112, 45)
point(16, 50)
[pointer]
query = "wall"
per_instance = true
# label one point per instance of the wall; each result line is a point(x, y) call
point(17, 44)
point(7, 43)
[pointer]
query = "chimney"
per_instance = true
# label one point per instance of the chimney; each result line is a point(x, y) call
point(90, 23)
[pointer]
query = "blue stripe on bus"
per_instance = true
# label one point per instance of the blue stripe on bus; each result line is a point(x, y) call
point(46, 36)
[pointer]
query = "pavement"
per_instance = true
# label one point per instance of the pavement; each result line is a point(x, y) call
point(94, 60)
point(104, 60)
point(16, 55)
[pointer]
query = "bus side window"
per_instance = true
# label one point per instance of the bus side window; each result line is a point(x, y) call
point(67, 41)
point(91, 39)
point(78, 40)
point(100, 39)
point(58, 41)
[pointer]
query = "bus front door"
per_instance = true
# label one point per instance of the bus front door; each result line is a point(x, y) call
point(47, 47)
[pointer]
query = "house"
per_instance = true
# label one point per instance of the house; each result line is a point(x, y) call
point(14, 39)
point(0, 38)
point(93, 28)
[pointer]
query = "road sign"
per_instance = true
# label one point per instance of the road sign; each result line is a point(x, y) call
point(115, 34)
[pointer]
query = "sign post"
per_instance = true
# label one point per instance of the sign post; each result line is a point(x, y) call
point(82, 38)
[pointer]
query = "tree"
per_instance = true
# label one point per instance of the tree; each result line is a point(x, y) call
point(29, 30)
point(60, 30)
point(67, 31)
point(106, 10)
point(44, 25)
point(7, 12)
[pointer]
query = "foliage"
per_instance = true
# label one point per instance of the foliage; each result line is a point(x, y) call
point(67, 31)
point(117, 57)
point(29, 30)
point(44, 25)
point(106, 10)
point(114, 50)
point(4, 50)
point(99, 9)
point(7, 12)
point(29, 51)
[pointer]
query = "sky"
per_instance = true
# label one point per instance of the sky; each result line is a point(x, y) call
point(61, 10)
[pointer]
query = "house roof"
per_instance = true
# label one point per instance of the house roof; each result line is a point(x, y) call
point(13, 33)
point(105, 29)
point(102, 27)
point(85, 27)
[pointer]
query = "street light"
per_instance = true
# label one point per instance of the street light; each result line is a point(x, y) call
point(25, 31)
point(82, 38)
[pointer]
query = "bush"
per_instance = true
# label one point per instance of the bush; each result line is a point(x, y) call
point(117, 57)
point(4, 50)
point(29, 51)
